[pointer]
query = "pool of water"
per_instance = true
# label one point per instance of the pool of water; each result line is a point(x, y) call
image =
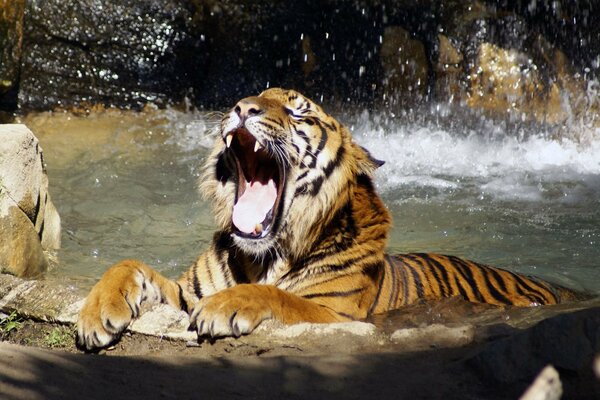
point(125, 186)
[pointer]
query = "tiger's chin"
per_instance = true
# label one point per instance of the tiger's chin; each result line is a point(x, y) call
point(260, 184)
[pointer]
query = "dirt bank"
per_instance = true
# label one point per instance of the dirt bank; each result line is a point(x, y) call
point(442, 350)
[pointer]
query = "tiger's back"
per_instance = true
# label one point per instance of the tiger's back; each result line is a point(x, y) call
point(347, 266)
point(408, 278)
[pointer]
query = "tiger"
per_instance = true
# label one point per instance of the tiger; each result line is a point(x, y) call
point(301, 237)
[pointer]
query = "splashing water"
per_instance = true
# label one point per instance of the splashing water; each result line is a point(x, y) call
point(525, 202)
point(495, 164)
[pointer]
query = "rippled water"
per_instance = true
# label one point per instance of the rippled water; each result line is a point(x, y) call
point(125, 186)
point(522, 200)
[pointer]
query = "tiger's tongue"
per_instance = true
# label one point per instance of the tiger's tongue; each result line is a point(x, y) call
point(253, 205)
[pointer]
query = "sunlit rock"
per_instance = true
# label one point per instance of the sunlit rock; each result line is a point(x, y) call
point(505, 80)
point(21, 252)
point(163, 321)
point(547, 386)
point(434, 335)
point(29, 222)
point(356, 328)
point(538, 86)
point(41, 300)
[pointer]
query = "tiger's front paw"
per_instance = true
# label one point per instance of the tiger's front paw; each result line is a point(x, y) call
point(109, 308)
point(232, 312)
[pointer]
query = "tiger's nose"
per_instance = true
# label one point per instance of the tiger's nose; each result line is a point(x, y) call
point(248, 108)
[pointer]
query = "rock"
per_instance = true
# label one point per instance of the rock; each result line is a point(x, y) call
point(11, 37)
point(516, 61)
point(517, 70)
point(434, 336)
point(307, 329)
point(164, 321)
point(449, 71)
point(21, 252)
point(567, 341)
point(507, 81)
point(404, 63)
point(120, 53)
point(40, 300)
point(29, 222)
point(547, 386)
point(448, 53)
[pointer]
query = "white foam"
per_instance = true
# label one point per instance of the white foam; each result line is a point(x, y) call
point(503, 165)
point(193, 130)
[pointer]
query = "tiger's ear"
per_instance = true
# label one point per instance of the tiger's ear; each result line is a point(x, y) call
point(376, 162)
point(366, 162)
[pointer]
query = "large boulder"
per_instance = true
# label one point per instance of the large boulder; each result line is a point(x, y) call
point(29, 222)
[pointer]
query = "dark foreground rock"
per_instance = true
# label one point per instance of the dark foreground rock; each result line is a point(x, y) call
point(569, 342)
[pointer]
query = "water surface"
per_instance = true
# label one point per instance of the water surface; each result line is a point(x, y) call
point(522, 199)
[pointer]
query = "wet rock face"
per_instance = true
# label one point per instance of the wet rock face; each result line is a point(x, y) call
point(248, 47)
point(29, 222)
point(523, 61)
point(370, 52)
point(11, 34)
point(213, 52)
point(123, 53)
point(518, 67)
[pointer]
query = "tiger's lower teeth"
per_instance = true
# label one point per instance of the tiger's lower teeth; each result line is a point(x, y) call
point(258, 228)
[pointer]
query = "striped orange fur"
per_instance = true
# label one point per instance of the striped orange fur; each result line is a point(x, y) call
point(301, 237)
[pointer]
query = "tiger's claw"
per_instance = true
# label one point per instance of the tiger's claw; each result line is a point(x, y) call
point(109, 308)
point(231, 312)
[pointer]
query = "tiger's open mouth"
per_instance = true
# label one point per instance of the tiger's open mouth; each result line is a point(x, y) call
point(260, 183)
